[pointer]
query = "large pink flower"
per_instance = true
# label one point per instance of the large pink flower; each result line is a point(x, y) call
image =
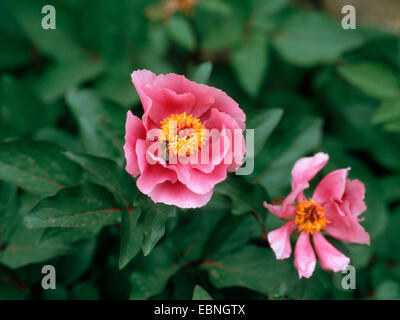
point(172, 102)
point(334, 208)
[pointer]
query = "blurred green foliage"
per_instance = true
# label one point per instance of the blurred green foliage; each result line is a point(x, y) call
point(305, 84)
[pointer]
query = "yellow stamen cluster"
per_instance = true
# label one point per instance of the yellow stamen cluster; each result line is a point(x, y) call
point(184, 134)
point(310, 217)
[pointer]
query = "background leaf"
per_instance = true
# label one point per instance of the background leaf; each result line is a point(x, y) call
point(200, 294)
point(85, 206)
point(250, 62)
point(374, 79)
point(152, 221)
point(305, 84)
point(37, 167)
point(250, 267)
point(310, 38)
point(180, 30)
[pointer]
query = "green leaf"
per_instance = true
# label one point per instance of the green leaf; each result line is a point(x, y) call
point(24, 248)
point(9, 217)
point(59, 137)
point(200, 294)
point(215, 6)
point(388, 290)
point(231, 233)
point(59, 293)
point(245, 196)
point(119, 89)
point(390, 186)
point(38, 167)
point(388, 111)
point(85, 291)
point(195, 228)
point(85, 206)
point(387, 245)
point(152, 221)
point(310, 38)
point(9, 290)
point(265, 9)
point(68, 235)
point(22, 111)
point(108, 174)
point(14, 52)
point(64, 76)
point(373, 79)
point(280, 153)
point(360, 256)
point(202, 72)
point(263, 124)
point(151, 276)
point(226, 34)
point(57, 43)
point(102, 126)
point(251, 267)
point(180, 30)
point(131, 236)
point(250, 62)
point(393, 126)
point(74, 265)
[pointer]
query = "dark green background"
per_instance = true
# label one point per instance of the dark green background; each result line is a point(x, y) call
point(305, 84)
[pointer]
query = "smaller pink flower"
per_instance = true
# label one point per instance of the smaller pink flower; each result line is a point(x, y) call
point(334, 208)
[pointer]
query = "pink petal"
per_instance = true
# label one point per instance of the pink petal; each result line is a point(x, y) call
point(149, 179)
point(227, 105)
point(329, 257)
point(146, 156)
point(306, 168)
point(204, 95)
point(331, 187)
point(304, 256)
point(228, 126)
point(166, 102)
point(200, 182)
point(134, 130)
point(207, 159)
point(179, 195)
point(279, 240)
point(207, 97)
point(151, 174)
point(224, 122)
point(295, 193)
point(354, 193)
point(140, 79)
point(280, 211)
point(220, 120)
point(286, 209)
point(343, 225)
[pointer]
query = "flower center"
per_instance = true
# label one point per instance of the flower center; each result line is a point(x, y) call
point(310, 217)
point(183, 134)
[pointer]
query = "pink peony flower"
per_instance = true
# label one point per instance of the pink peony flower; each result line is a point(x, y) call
point(334, 208)
point(179, 112)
